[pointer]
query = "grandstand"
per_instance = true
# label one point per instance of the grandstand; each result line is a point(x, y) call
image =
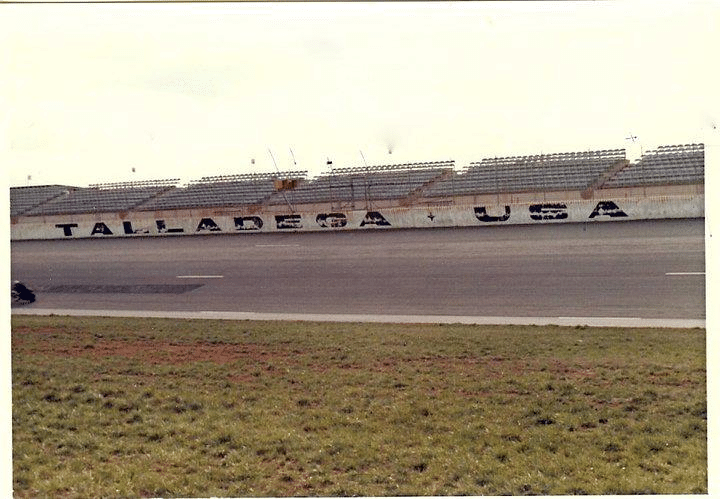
point(544, 172)
point(433, 181)
point(678, 164)
point(121, 196)
point(227, 190)
point(25, 199)
point(369, 183)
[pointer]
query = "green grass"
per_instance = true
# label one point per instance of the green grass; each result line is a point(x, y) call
point(149, 407)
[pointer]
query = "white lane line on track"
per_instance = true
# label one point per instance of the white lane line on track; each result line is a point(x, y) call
point(277, 245)
point(684, 273)
point(199, 276)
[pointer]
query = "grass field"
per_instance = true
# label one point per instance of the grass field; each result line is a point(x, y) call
point(151, 407)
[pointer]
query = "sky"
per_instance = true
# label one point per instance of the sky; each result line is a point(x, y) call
point(98, 93)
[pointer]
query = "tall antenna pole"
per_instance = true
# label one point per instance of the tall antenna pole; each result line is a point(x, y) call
point(282, 190)
point(273, 160)
point(367, 186)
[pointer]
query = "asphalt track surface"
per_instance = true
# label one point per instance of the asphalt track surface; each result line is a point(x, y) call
point(505, 274)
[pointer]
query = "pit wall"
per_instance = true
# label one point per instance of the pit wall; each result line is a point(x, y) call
point(317, 217)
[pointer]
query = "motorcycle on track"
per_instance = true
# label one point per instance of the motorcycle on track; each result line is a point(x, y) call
point(21, 294)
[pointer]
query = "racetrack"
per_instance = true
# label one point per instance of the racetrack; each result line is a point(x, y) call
point(649, 269)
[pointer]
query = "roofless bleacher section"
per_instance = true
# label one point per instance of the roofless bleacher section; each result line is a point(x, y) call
point(680, 164)
point(120, 196)
point(602, 169)
point(226, 190)
point(370, 183)
point(25, 199)
point(543, 172)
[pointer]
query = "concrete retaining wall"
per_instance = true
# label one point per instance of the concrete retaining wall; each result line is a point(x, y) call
point(315, 218)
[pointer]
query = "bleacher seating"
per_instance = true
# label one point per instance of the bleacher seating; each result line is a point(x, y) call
point(679, 164)
point(666, 165)
point(369, 183)
point(219, 191)
point(98, 198)
point(24, 199)
point(543, 172)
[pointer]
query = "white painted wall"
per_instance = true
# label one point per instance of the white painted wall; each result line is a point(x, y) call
point(209, 222)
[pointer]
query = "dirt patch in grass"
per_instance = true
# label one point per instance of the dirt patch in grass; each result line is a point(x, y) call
point(149, 351)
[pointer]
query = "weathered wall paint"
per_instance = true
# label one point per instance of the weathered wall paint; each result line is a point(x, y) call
point(193, 222)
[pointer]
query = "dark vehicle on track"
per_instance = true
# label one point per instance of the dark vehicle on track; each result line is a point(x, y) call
point(21, 294)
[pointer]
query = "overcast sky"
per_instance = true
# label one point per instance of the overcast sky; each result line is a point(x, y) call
point(92, 91)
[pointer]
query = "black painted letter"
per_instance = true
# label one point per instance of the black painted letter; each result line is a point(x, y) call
point(128, 229)
point(331, 220)
point(482, 215)
point(551, 211)
point(288, 221)
point(162, 228)
point(207, 224)
point(607, 208)
point(101, 228)
point(374, 218)
point(248, 223)
point(67, 228)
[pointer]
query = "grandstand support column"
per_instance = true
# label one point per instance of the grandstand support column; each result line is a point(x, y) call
point(497, 187)
point(330, 187)
point(452, 186)
point(644, 175)
point(368, 206)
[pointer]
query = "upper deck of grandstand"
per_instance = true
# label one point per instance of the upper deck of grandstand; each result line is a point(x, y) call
point(226, 190)
point(368, 183)
point(608, 168)
point(542, 172)
point(120, 196)
point(25, 199)
point(678, 164)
